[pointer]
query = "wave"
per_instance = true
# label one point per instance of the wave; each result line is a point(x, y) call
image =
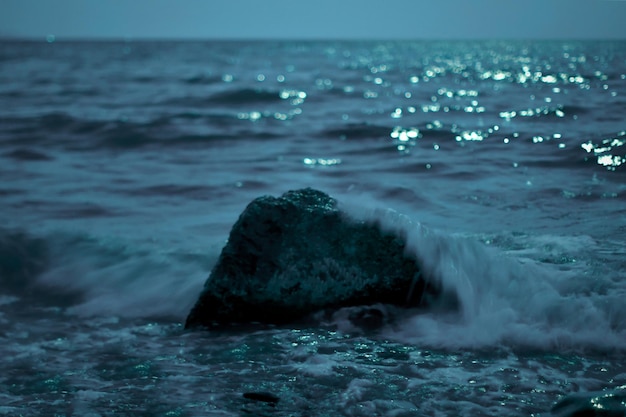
point(527, 299)
point(245, 96)
point(538, 292)
point(24, 154)
point(26, 138)
point(88, 276)
point(607, 150)
point(72, 133)
point(358, 131)
point(200, 79)
point(22, 259)
point(235, 98)
point(192, 192)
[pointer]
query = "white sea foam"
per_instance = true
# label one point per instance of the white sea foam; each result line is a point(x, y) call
point(505, 298)
point(112, 280)
point(164, 155)
point(526, 296)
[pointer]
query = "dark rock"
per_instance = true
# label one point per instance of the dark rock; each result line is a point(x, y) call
point(369, 318)
point(290, 256)
point(609, 403)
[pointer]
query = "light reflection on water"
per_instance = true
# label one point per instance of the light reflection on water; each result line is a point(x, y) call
point(463, 85)
point(475, 138)
point(605, 150)
point(112, 366)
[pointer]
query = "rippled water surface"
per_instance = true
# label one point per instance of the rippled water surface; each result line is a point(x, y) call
point(124, 165)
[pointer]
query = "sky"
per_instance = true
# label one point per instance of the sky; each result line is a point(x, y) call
point(314, 19)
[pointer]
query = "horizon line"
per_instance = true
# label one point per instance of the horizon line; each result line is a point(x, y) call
point(51, 38)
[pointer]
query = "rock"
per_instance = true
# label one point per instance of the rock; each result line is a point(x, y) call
point(369, 318)
point(290, 256)
point(608, 403)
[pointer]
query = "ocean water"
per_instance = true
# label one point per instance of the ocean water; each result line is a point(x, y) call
point(124, 165)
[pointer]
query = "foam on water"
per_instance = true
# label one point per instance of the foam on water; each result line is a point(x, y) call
point(90, 276)
point(530, 299)
point(124, 176)
point(113, 359)
point(533, 291)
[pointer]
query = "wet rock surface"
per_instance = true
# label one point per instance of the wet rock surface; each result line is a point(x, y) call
point(609, 403)
point(290, 256)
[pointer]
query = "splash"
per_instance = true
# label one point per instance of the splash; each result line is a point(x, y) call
point(507, 299)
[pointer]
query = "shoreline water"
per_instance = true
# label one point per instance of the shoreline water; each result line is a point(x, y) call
point(125, 165)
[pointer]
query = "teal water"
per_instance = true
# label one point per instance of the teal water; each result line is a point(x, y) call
point(124, 165)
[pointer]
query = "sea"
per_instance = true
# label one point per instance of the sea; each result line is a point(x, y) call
point(124, 165)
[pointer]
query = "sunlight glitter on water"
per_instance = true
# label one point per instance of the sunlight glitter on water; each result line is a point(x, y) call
point(321, 161)
point(604, 151)
point(403, 138)
point(396, 109)
point(296, 97)
point(471, 136)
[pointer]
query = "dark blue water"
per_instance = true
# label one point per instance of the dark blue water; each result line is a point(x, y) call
point(124, 165)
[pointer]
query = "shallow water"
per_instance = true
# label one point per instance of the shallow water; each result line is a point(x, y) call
point(125, 164)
